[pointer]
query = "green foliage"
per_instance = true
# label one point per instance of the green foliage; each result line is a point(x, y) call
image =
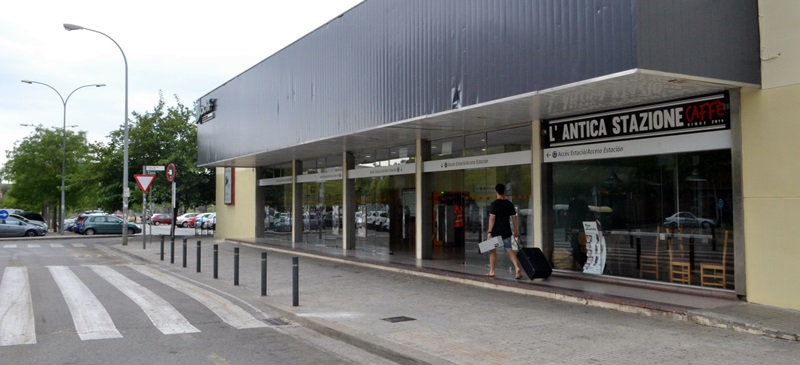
point(94, 171)
point(161, 136)
point(34, 167)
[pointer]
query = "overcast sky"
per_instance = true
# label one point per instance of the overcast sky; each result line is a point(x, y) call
point(179, 47)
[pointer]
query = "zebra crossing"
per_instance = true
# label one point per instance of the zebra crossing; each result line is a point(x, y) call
point(90, 318)
point(37, 245)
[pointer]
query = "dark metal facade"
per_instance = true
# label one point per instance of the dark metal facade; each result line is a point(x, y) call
point(387, 61)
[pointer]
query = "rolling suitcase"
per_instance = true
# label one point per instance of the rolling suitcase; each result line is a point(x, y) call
point(534, 263)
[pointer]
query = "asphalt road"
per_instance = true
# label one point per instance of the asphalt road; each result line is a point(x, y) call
point(72, 300)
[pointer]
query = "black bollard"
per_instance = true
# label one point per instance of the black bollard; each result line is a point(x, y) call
point(162, 247)
point(236, 266)
point(172, 250)
point(264, 273)
point(216, 256)
point(295, 281)
point(184, 252)
point(198, 256)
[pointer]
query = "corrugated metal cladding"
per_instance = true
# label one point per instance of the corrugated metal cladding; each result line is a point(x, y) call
point(388, 60)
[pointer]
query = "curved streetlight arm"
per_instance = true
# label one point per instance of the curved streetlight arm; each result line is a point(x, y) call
point(63, 143)
point(125, 188)
point(63, 101)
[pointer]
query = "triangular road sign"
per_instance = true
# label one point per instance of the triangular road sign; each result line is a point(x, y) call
point(144, 181)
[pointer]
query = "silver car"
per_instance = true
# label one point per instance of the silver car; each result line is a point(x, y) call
point(688, 219)
point(12, 227)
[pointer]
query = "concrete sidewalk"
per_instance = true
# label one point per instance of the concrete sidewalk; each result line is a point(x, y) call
point(413, 315)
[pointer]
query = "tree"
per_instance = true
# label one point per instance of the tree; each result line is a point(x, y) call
point(34, 168)
point(161, 136)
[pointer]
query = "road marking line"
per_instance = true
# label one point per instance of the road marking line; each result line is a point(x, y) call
point(91, 319)
point(17, 325)
point(10, 246)
point(56, 245)
point(230, 313)
point(163, 315)
point(78, 245)
point(33, 245)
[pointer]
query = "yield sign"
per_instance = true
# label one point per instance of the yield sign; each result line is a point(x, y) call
point(144, 181)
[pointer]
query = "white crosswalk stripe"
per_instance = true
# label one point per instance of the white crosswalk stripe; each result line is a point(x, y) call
point(9, 246)
point(34, 245)
point(78, 245)
point(163, 315)
point(91, 319)
point(56, 245)
point(225, 309)
point(89, 316)
point(16, 308)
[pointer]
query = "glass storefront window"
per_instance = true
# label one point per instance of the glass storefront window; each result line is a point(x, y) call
point(447, 148)
point(277, 204)
point(472, 191)
point(663, 216)
point(509, 140)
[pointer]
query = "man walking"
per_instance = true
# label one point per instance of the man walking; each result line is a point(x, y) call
point(501, 214)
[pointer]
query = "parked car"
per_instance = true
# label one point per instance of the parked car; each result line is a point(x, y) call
point(34, 217)
point(210, 222)
point(82, 217)
point(26, 220)
point(183, 220)
point(310, 222)
point(200, 220)
point(283, 223)
point(158, 218)
point(108, 224)
point(381, 221)
point(69, 223)
point(688, 219)
point(12, 227)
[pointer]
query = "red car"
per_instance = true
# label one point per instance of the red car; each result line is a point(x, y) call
point(157, 219)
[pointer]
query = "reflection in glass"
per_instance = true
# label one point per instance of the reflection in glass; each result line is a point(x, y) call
point(675, 208)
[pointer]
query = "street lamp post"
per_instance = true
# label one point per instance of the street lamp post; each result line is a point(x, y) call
point(63, 144)
point(125, 190)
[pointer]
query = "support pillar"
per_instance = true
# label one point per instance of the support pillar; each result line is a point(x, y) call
point(348, 203)
point(297, 203)
point(424, 205)
point(260, 214)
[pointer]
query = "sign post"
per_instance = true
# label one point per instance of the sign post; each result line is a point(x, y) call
point(145, 182)
point(145, 170)
point(171, 172)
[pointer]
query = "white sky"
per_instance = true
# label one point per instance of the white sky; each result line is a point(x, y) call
point(180, 47)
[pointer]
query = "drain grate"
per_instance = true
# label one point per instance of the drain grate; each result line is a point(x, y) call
point(398, 319)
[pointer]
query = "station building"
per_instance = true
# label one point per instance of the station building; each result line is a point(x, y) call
point(385, 130)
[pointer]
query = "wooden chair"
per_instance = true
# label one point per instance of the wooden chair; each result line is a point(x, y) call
point(714, 274)
point(680, 271)
point(648, 264)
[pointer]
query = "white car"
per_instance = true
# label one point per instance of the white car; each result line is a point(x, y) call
point(688, 219)
point(183, 221)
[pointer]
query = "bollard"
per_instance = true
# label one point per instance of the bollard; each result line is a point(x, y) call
point(162, 247)
point(216, 256)
point(172, 250)
point(236, 266)
point(264, 273)
point(184, 252)
point(198, 256)
point(295, 281)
